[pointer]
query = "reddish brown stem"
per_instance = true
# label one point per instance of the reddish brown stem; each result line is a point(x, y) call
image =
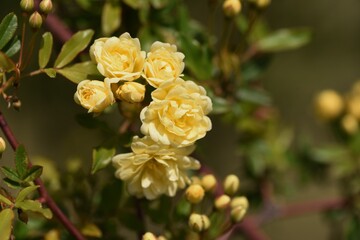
point(42, 190)
point(250, 226)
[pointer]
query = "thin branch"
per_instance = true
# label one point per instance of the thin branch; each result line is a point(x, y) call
point(42, 190)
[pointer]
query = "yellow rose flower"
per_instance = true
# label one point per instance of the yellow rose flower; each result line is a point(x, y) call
point(153, 169)
point(163, 63)
point(94, 95)
point(131, 92)
point(120, 58)
point(177, 116)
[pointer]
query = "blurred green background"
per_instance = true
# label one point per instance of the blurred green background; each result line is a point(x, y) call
point(47, 127)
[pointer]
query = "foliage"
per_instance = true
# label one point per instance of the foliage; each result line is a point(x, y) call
point(223, 73)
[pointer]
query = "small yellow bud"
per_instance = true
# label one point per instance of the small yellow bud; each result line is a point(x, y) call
point(52, 235)
point(195, 180)
point(16, 104)
point(2, 145)
point(353, 106)
point(231, 7)
point(239, 201)
point(222, 202)
point(46, 6)
point(198, 222)
point(328, 104)
point(161, 238)
point(263, 3)
point(356, 88)
point(195, 193)
point(238, 213)
point(148, 236)
point(231, 184)
point(27, 5)
point(208, 182)
point(131, 92)
point(350, 124)
point(35, 20)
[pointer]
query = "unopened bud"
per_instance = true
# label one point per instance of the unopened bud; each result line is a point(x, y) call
point(46, 6)
point(350, 124)
point(222, 202)
point(231, 184)
point(328, 104)
point(52, 235)
point(239, 201)
point(231, 7)
point(2, 145)
point(131, 92)
point(161, 238)
point(35, 20)
point(208, 182)
point(195, 180)
point(16, 104)
point(195, 193)
point(27, 5)
point(238, 213)
point(353, 106)
point(198, 222)
point(262, 3)
point(148, 236)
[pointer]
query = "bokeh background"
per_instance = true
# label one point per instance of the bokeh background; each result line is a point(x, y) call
point(47, 127)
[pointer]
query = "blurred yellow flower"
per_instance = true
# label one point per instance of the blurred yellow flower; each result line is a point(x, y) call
point(177, 114)
point(153, 169)
point(120, 58)
point(163, 63)
point(94, 95)
point(328, 104)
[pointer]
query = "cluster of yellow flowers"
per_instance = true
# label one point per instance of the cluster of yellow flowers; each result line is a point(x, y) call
point(172, 122)
point(331, 106)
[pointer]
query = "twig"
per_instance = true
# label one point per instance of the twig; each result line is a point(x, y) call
point(251, 224)
point(42, 190)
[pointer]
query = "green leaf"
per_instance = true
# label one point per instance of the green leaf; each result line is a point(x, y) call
point(91, 230)
point(12, 184)
point(284, 39)
point(198, 57)
point(254, 96)
point(220, 105)
point(110, 17)
point(5, 200)
point(353, 231)
point(6, 218)
point(101, 158)
point(45, 49)
point(6, 64)
point(50, 72)
point(8, 27)
point(159, 3)
point(134, 3)
point(34, 206)
point(14, 47)
point(77, 43)
point(21, 161)
point(11, 174)
point(33, 173)
point(79, 72)
point(24, 192)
